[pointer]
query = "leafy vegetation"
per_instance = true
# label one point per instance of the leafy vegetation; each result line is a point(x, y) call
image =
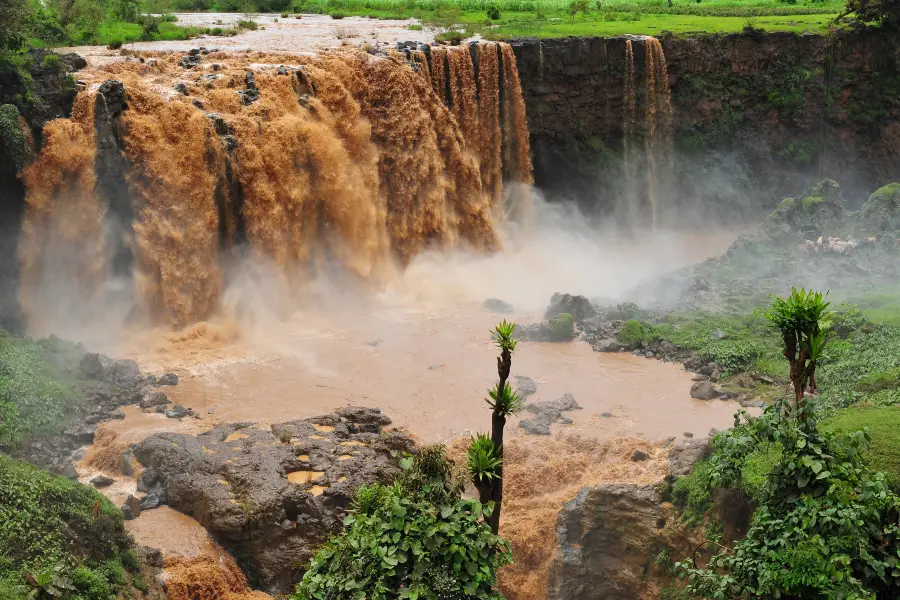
point(58, 539)
point(415, 539)
point(562, 328)
point(826, 525)
point(883, 425)
point(36, 397)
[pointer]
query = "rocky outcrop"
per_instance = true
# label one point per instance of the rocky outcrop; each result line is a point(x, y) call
point(756, 116)
point(105, 385)
point(271, 497)
point(609, 536)
point(50, 92)
point(548, 413)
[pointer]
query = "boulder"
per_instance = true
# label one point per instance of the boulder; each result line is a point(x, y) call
point(152, 399)
point(268, 502)
point(639, 455)
point(124, 369)
point(881, 212)
point(525, 386)
point(704, 390)
point(168, 379)
point(150, 501)
point(578, 306)
point(102, 481)
point(90, 365)
point(132, 508)
point(496, 305)
point(608, 538)
point(177, 412)
point(548, 413)
point(690, 451)
point(533, 332)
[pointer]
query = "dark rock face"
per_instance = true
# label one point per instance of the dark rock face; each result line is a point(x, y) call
point(110, 385)
point(578, 306)
point(548, 413)
point(755, 116)
point(272, 497)
point(608, 537)
point(102, 481)
point(683, 456)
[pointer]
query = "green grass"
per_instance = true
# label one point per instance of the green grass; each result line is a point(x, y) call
point(884, 426)
point(612, 24)
point(49, 522)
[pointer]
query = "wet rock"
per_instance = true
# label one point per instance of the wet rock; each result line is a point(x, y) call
point(181, 88)
point(216, 475)
point(688, 434)
point(153, 399)
point(147, 480)
point(606, 415)
point(526, 386)
point(149, 502)
point(608, 537)
point(700, 378)
point(704, 390)
point(713, 432)
point(126, 463)
point(177, 412)
point(168, 379)
point(190, 61)
point(125, 369)
point(639, 455)
point(718, 334)
point(66, 470)
point(609, 345)
point(497, 306)
point(690, 451)
point(578, 306)
point(533, 332)
point(548, 413)
point(81, 433)
point(102, 481)
point(90, 365)
point(132, 508)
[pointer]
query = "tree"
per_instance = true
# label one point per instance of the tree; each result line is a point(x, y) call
point(798, 317)
point(504, 402)
point(873, 11)
point(414, 539)
point(13, 19)
point(577, 6)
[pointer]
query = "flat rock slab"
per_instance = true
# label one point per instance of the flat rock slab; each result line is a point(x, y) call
point(272, 496)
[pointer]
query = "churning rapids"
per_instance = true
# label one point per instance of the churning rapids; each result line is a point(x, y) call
point(291, 234)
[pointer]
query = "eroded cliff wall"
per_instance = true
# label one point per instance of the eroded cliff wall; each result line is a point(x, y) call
point(755, 116)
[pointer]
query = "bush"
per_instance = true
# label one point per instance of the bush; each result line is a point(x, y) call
point(15, 152)
point(285, 15)
point(248, 24)
point(149, 26)
point(733, 355)
point(413, 539)
point(337, 15)
point(115, 44)
point(493, 12)
point(50, 524)
point(415, 27)
point(633, 333)
point(562, 328)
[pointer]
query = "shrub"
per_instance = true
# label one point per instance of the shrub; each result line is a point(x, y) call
point(149, 26)
point(415, 27)
point(285, 15)
point(248, 24)
point(115, 44)
point(633, 333)
point(562, 328)
point(337, 15)
point(416, 535)
point(493, 12)
point(15, 152)
point(169, 18)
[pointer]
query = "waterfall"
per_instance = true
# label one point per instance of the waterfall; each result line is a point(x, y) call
point(301, 161)
point(645, 205)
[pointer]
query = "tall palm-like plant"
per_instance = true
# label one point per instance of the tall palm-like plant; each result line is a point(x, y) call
point(798, 317)
point(503, 402)
point(485, 464)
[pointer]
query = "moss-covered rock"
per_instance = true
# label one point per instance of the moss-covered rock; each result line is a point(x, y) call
point(15, 149)
point(562, 328)
point(820, 212)
point(881, 212)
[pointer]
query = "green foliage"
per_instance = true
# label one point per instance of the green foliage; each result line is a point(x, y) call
point(733, 355)
point(502, 336)
point(507, 403)
point(861, 356)
point(562, 328)
point(883, 425)
point(826, 526)
point(577, 6)
point(398, 544)
point(493, 12)
point(415, 27)
point(633, 333)
point(248, 24)
point(799, 318)
point(484, 462)
point(33, 398)
point(692, 493)
point(883, 380)
point(15, 151)
point(13, 15)
point(881, 211)
point(57, 534)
